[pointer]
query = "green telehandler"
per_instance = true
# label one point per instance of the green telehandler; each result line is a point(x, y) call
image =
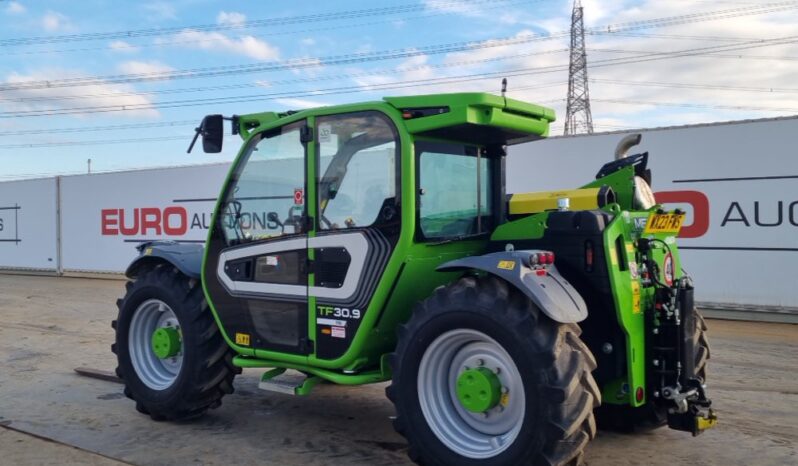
point(375, 242)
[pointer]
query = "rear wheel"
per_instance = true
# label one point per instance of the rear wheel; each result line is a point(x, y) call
point(652, 416)
point(171, 356)
point(480, 375)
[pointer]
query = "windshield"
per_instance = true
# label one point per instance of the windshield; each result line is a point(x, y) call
point(454, 182)
point(266, 194)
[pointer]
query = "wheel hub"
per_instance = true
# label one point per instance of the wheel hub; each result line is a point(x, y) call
point(165, 342)
point(478, 390)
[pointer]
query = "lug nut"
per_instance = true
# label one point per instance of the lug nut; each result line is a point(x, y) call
point(655, 331)
point(480, 362)
point(606, 348)
point(504, 390)
point(497, 370)
point(656, 362)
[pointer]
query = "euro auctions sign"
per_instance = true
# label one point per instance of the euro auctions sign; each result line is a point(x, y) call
point(105, 216)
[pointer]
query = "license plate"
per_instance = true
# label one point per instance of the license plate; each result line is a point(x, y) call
point(664, 223)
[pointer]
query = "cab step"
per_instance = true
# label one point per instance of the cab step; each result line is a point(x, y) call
point(289, 383)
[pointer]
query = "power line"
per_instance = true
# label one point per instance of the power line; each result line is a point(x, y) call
point(695, 17)
point(258, 23)
point(293, 81)
point(713, 87)
point(702, 106)
point(706, 55)
point(294, 64)
point(193, 122)
point(648, 35)
point(350, 89)
point(302, 63)
point(164, 43)
point(91, 143)
point(274, 96)
point(87, 129)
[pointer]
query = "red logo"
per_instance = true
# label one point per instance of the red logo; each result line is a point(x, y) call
point(699, 203)
point(299, 196)
point(171, 221)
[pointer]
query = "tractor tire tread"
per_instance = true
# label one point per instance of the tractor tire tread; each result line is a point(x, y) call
point(213, 374)
point(564, 362)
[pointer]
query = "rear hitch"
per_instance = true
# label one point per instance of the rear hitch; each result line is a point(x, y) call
point(673, 351)
point(692, 411)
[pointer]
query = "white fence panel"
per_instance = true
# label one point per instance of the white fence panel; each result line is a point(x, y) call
point(28, 225)
point(105, 216)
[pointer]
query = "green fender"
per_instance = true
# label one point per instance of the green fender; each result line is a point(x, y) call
point(548, 290)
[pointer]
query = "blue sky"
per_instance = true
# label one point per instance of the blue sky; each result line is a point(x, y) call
point(637, 78)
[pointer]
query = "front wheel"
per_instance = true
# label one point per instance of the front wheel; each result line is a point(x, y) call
point(172, 357)
point(480, 375)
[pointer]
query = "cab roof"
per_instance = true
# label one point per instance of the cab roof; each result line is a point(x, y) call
point(475, 117)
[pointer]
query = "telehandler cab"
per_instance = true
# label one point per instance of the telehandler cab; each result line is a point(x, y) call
point(375, 242)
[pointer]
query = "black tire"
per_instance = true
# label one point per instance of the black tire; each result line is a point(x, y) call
point(207, 370)
point(555, 367)
point(651, 416)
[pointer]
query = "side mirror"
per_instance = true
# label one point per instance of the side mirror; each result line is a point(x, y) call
point(212, 128)
point(212, 131)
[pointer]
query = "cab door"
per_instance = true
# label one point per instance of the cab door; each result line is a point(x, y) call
point(356, 223)
point(256, 271)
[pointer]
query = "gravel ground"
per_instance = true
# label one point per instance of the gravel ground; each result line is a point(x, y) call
point(49, 326)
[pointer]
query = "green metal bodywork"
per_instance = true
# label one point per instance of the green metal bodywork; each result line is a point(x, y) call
point(410, 275)
point(621, 231)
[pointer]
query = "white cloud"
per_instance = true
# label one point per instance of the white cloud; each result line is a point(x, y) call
point(301, 103)
point(230, 18)
point(144, 67)
point(308, 41)
point(262, 83)
point(15, 8)
point(53, 21)
point(100, 94)
point(245, 45)
point(122, 47)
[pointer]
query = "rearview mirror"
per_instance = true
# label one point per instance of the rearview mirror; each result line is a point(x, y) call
point(212, 131)
point(212, 128)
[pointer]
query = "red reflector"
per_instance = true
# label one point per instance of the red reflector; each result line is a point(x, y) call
point(639, 394)
point(540, 272)
point(407, 115)
point(551, 257)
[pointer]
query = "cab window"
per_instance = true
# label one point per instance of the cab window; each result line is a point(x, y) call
point(358, 165)
point(454, 185)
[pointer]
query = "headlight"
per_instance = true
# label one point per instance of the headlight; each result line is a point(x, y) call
point(644, 197)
